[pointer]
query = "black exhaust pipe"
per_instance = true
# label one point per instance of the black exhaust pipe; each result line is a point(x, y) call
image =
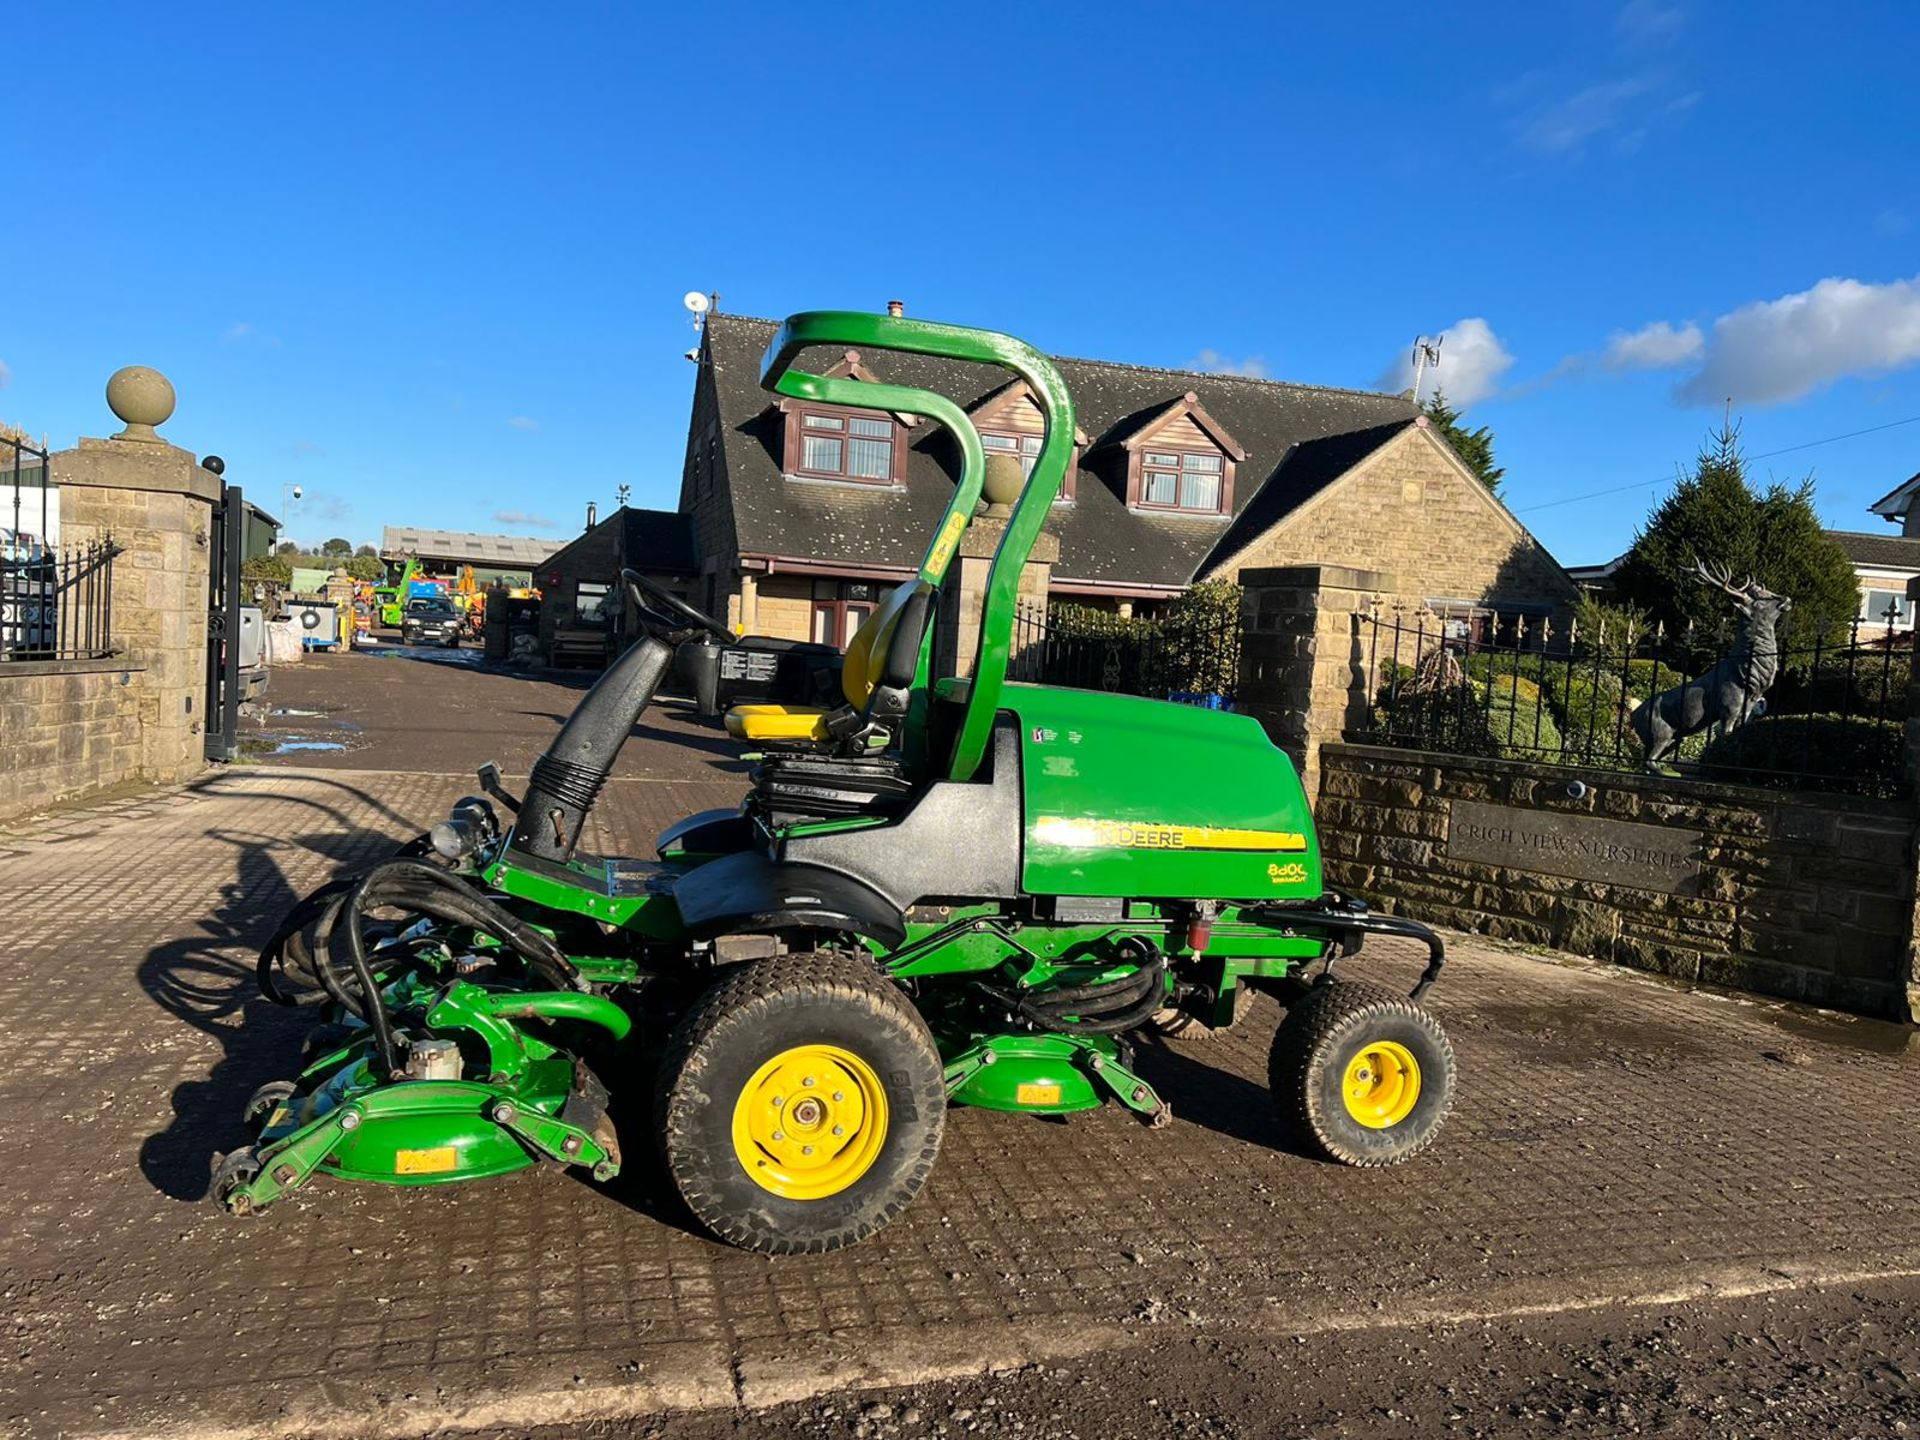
point(567, 779)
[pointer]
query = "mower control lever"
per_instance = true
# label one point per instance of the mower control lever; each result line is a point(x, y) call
point(490, 782)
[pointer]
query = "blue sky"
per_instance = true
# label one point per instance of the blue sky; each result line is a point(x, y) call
point(426, 260)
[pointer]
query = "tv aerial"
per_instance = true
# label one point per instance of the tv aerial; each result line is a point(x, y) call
point(698, 305)
point(1425, 352)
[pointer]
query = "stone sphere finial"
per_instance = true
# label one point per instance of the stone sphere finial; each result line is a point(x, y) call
point(142, 397)
point(1002, 484)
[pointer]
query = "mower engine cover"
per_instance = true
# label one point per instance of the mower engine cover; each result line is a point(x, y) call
point(1129, 796)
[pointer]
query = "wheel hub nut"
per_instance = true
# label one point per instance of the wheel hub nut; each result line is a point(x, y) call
point(807, 1112)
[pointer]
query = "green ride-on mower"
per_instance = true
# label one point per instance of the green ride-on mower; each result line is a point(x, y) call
point(944, 891)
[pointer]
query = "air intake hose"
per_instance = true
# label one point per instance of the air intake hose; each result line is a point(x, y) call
point(566, 780)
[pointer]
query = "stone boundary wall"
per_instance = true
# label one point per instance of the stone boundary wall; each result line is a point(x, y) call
point(67, 728)
point(1786, 893)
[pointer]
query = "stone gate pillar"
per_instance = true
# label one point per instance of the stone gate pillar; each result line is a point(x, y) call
point(153, 499)
point(1305, 657)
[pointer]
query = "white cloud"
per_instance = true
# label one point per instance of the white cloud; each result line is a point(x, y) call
point(1653, 347)
point(1254, 367)
point(1774, 350)
point(309, 447)
point(1649, 22)
point(6, 375)
point(242, 330)
point(1472, 360)
point(1566, 124)
point(521, 517)
point(523, 422)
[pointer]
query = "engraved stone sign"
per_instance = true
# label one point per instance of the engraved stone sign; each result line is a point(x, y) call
point(1581, 847)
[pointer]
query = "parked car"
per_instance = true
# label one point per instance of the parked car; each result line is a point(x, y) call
point(431, 620)
point(28, 604)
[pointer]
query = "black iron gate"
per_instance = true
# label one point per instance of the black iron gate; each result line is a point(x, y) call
point(226, 547)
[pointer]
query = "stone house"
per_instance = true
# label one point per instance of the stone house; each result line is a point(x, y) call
point(580, 600)
point(804, 515)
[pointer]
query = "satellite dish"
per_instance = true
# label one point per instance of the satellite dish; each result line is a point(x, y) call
point(695, 301)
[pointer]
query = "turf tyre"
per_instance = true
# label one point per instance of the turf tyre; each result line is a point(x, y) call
point(754, 1013)
point(1322, 1034)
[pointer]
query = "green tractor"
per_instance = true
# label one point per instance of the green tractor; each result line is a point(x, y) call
point(943, 891)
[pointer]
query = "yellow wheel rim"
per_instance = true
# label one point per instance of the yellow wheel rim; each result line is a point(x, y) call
point(810, 1122)
point(1382, 1084)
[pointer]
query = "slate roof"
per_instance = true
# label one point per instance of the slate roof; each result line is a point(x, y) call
point(517, 552)
point(662, 540)
point(1298, 439)
point(1886, 552)
point(656, 541)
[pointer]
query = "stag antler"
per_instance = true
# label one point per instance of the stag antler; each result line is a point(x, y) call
point(1721, 578)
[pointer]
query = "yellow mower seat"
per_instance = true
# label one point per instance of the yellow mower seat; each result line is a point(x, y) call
point(777, 722)
point(860, 672)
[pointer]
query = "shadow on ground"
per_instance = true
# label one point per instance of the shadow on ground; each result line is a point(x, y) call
point(207, 981)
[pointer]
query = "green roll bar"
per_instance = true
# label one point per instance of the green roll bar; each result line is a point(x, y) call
point(953, 342)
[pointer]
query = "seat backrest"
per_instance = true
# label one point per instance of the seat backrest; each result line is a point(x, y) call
point(866, 661)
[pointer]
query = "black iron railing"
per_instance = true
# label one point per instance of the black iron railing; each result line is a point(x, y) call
point(56, 604)
point(1525, 687)
point(1191, 656)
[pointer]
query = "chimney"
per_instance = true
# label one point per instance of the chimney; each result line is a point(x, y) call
point(896, 308)
point(593, 514)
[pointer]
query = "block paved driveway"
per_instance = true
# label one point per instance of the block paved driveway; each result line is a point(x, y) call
point(1615, 1138)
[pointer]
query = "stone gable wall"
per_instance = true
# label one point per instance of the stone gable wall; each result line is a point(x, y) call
point(1412, 511)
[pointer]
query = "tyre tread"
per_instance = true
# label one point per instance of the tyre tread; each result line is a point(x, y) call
point(762, 984)
point(1308, 1028)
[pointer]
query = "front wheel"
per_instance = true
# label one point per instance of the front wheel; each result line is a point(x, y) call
point(801, 1104)
point(1360, 1074)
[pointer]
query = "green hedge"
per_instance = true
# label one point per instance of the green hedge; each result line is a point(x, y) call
point(1870, 682)
point(1810, 751)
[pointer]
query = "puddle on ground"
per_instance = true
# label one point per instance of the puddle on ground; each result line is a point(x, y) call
point(258, 746)
point(434, 655)
point(1849, 1032)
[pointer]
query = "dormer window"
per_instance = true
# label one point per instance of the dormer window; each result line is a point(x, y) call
point(1025, 447)
point(826, 442)
point(1009, 422)
point(1182, 480)
point(1182, 459)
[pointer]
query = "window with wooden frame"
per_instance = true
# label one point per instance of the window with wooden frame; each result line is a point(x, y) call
point(1009, 423)
point(858, 446)
point(1182, 480)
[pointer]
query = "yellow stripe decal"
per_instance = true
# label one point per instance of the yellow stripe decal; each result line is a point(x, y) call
point(1151, 835)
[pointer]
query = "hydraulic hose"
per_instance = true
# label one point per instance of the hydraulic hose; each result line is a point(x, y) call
point(339, 911)
point(1110, 1007)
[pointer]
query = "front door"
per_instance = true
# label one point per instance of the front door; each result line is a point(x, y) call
point(840, 607)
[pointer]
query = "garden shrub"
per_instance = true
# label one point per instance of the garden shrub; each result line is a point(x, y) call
point(1818, 752)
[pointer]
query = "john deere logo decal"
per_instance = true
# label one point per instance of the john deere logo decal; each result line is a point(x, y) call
point(1149, 835)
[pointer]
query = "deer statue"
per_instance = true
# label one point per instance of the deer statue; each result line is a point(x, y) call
point(1734, 690)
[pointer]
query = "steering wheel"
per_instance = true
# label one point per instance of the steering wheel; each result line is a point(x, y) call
point(645, 591)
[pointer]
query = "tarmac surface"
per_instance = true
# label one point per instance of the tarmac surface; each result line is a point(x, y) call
point(1624, 1154)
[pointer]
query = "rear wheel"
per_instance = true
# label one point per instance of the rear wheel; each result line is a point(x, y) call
point(1361, 1075)
point(801, 1104)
